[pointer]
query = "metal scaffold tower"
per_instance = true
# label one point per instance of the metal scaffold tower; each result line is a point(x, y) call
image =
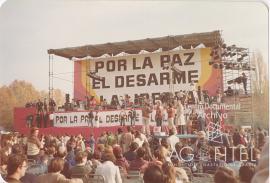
point(237, 81)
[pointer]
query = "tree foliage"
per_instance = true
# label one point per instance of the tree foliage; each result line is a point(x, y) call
point(260, 87)
point(17, 94)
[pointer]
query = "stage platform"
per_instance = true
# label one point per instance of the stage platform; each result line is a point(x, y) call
point(20, 125)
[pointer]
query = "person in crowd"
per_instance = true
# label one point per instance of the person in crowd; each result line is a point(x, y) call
point(120, 160)
point(36, 169)
point(240, 155)
point(236, 137)
point(50, 152)
point(126, 139)
point(139, 163)
point(158, 158)
point(225, 175)
point(111, 139)
point(103, 138)
point(54, 175)
point(146, 111)
point(246, 172)
point(92, 142)
point(138, 138)
point(2, 180)
point(211, 165)
point(131, 154)
point(80, 170)
point(119, 135)
point(80, 143)
point(17, 149)
point(107, 169)
point(172, 139)
point(262, 170)
point(33, 144)
point(254, 155)
point(16, 168)
point(165, 149)
point(96, 160)
point(70, 157)
point(148, 154)
point(243, 139)
point(3, 164)
point(100, 148)
point(169, 171)
point(152, 174)
point(260, 138)
point(181, 175)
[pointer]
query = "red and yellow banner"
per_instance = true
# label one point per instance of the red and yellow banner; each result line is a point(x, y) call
point(147, 74)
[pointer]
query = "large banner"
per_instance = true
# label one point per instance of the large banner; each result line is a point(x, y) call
point(147, 74)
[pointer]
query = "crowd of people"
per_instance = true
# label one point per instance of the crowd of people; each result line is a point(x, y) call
point(115, 156)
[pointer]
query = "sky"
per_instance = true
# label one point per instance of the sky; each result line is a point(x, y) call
point(29, 28)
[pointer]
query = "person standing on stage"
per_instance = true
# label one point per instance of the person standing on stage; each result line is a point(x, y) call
point(122, 117)
point(171, 114)
point(52, 105)
point(97, 116)
point(38, 120)
point(180, 117)
point(45, 106)
point(39, 106)
point(29, 120)
point(146, 110)
point(90, 118)
point(132, 114)
point(158, 116)
point(45, 118)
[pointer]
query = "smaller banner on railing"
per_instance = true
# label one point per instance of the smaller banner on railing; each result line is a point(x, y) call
point(97, 119)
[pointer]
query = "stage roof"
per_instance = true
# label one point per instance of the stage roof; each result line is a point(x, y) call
point(209, 39)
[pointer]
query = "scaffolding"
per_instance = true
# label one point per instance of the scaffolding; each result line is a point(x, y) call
point(237, 74)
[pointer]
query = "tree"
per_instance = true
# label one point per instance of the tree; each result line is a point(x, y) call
point(260, 91)
point(17, 94)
